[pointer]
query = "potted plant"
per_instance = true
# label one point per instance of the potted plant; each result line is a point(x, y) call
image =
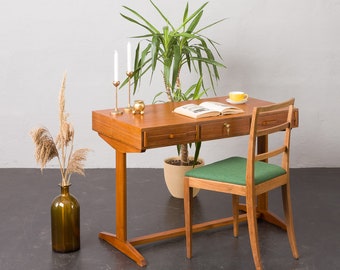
point(65, 209)
point(176, 49)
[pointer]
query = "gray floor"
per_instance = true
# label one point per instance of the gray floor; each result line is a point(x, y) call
point(26, 195)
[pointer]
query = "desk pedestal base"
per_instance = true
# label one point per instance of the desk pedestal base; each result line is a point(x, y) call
point(128, 247)
point(124, 247)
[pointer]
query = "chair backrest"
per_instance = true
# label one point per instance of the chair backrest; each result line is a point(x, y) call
point(261, 129)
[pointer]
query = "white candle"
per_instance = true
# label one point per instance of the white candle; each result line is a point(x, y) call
point(128, 48)
point(115, 78)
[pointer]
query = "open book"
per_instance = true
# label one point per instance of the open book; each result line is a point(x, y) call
point(206, 109)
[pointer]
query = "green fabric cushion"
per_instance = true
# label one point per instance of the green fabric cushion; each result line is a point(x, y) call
point(233, 170)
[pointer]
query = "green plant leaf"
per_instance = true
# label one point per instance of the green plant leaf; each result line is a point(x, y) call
point(163, 16)
point(185, 14)
point(208, 26)
point(148, 25)
point(154, 51)
point(184, 23)
point(197, 151)
point(195, 22)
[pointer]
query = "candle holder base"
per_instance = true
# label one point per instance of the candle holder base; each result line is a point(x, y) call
point(128, 108)
point(116, 112)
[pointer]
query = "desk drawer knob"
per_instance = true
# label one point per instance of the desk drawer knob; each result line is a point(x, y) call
point(227, 126)
point(171, 136)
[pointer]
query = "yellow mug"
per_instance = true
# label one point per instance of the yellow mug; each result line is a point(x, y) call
point(237, 96)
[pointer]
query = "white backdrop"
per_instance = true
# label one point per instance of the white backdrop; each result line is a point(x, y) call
point(273, 50)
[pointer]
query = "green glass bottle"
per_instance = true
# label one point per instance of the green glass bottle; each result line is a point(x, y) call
point(65, 222)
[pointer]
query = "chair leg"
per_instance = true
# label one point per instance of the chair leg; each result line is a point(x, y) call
point(236, 200)
point(253, 231)
point(287, 206)
point(188, 194)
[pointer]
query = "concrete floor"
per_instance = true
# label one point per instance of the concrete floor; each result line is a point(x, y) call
point(26, 195)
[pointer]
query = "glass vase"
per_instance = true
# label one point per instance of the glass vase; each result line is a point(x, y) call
point(65, 222)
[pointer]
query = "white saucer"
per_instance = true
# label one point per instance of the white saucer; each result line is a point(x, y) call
point(236, 102)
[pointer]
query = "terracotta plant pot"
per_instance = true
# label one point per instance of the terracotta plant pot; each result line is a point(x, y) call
point(174, 174)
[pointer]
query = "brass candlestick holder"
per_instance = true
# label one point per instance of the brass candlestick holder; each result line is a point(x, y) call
point(129, 108)
point(116, 111)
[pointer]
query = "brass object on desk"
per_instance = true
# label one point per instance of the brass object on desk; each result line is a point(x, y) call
point(116, 111)
point(138, 107)
point(129, 108)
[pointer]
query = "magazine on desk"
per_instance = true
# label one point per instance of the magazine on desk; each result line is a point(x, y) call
point(207, 109)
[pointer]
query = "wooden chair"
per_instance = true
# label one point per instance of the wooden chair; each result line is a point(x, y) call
point(248, 177)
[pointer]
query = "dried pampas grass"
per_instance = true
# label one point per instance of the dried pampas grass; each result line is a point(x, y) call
point(62, 148)
point(45, 149)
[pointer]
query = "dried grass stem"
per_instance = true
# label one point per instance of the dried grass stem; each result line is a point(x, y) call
point(46, 148)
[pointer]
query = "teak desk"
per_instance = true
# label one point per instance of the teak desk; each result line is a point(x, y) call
point(159, 127)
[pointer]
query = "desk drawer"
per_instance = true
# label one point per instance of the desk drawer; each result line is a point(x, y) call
point(225, 128)
point(158, 137)
point(276, 118)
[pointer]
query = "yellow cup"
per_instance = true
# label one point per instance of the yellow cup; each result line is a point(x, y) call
point(237, 96)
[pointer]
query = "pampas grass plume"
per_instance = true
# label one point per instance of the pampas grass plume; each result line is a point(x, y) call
point(46, 148)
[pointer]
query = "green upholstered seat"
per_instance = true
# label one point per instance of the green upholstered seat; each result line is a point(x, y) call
point(233, 170)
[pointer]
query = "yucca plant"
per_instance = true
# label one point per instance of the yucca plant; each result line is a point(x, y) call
point(175, 48)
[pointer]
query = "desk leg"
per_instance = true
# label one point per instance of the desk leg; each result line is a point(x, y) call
point(119, 240)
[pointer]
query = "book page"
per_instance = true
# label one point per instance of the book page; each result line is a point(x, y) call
point(221, 107)
point(195, 111)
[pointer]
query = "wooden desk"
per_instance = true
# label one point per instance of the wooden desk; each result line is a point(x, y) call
point(160, 127)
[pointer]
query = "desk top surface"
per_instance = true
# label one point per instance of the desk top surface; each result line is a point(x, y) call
point(158, 115)
point(160, 126)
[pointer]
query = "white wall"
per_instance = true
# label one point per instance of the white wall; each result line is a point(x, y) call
point(273, 50)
